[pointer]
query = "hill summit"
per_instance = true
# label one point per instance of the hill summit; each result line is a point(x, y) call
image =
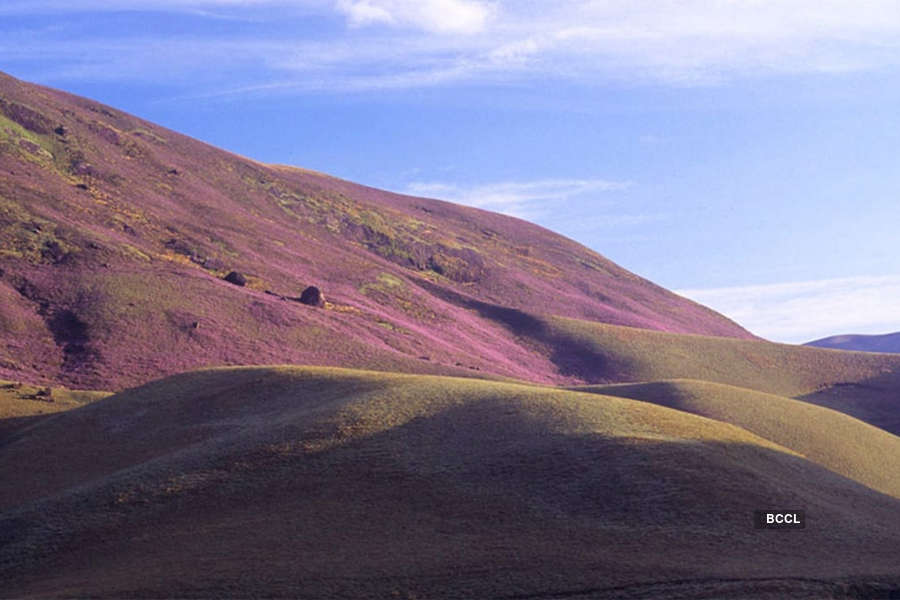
point(117, 236)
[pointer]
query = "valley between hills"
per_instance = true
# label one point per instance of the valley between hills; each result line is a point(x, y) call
point(478, 408)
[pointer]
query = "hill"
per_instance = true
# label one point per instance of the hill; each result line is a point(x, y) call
point(836, 441)
point(115, 236)
point(889, 342)
point(862, 385)
point(128, 251)
point(312, 482)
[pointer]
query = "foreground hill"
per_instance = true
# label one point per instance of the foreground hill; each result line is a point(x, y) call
point(115, 235)
point(312, 482)
point(889, 342)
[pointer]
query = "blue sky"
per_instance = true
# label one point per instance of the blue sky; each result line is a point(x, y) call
point(744, 153)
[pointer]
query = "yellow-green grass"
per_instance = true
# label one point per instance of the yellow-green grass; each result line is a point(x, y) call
point(323, 482)
point(830, 438)
point(631, 354)
point(22, 404)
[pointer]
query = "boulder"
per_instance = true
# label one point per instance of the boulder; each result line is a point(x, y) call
point(312, 296)
point(236, 278)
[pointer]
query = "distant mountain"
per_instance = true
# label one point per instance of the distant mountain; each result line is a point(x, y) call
point(889, 342)
point(116, 236)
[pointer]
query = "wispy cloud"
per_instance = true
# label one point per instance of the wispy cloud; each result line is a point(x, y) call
point(807, 310)
point(523, 199)
point(377, 44)
point(439, 16)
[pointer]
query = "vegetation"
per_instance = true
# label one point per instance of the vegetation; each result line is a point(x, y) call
point(827, 437)
point(23, 405)
point(288, 479)
point(318, 481)
point(630, 354)
point(99, 197)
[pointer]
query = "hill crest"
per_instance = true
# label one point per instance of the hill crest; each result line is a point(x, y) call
point(115, 235)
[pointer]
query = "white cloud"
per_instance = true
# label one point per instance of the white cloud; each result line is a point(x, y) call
point(362, 12)
point(437, 16)
point(527, 200)
point(803, 311)
point(29, 6)
point(413, 43)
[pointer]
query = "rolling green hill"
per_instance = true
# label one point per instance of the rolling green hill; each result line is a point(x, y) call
point(312, 482)
point(836, 441)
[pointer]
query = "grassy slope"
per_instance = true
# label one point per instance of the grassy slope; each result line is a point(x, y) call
point(115, 233)
point(308, 481)
point(862, 385)
point(832, 439)
point(22, 405)
point(637, 355)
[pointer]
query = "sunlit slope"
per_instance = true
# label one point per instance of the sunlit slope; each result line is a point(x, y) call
point(312, 482)
point(861, 384)
point(832, 439)
point(23, 404)
point(610, 353)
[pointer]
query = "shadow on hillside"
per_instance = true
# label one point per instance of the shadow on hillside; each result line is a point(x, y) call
point(875, 400)
point(553, 514)
point(571, 357)
point(10, 426)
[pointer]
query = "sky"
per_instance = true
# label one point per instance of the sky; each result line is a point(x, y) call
point(743, 153)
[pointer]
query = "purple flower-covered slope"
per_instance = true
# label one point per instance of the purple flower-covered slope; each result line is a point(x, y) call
point(116, 234)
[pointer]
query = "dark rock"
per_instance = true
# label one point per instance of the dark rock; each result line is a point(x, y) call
point(60, 130)
point(312, 296)
point(236, 278)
